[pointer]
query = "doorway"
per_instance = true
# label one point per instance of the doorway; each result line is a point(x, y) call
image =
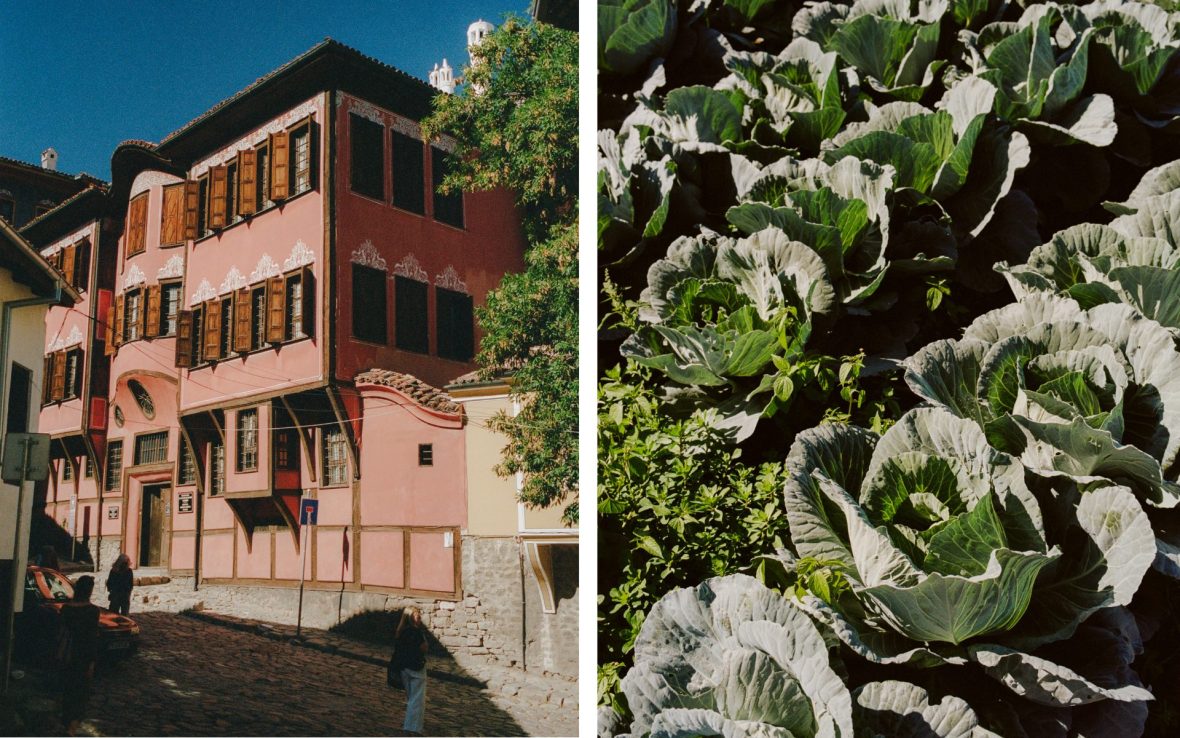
point(151, 525)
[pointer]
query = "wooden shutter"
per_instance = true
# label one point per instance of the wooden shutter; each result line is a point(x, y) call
point(280, 164)
point(172, 215)
point(276, 309)
point(152, 312)
point(69, 257)
point(58, 391)
point(308, 279)
point(47, 378)
point(212, 345)
point(192, 201)
point(242, 332)
point(184, 338)
point(137, 225)
point(247, 182)
point(119, 320)
point(141, 321)
point(81, 275)
point(109, 332)
point(217, 204)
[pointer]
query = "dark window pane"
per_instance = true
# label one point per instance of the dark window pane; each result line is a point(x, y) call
point(456, 335)
point(114, 479)
point(410, 318)
point(368, 157)
point(169, 307)
point(247, 440)
point(409, 192)
point(368, 304)
point(18, 399)
point(447, 208)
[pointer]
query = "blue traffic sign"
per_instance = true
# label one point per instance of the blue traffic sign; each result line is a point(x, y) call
point(308, 509)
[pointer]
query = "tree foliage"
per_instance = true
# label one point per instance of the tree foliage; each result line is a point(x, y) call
point(515, 123)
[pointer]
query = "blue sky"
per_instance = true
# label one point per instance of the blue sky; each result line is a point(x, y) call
point(81, 80)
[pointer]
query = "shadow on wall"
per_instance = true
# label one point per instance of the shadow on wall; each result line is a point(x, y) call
point(377, 627)
point(45, 531)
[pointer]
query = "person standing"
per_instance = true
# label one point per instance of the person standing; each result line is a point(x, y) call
point(77, 651)
point(119, 584)
point(410, 647)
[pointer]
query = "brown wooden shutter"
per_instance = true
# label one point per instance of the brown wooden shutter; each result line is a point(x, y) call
point(212, 330)
point(280, 164)
point(109, 332)
point(152, 314)
point(118, 309)
point(217, 205)
point(247, 182)
point(172, 215)
point(184, 338)
point(47, 378)
point(276, 309)
point(141, 322)
point(136, 240)
point(242, 333)
point(82, 265)
point(59, 376)
point(192, 201)
point(309, 303)
point(69, 257)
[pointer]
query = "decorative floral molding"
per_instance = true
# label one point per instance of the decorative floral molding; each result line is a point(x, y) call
point(267, 267)
point(146, 180)
point(204, 292)
point(84, 232)
point(73, 339)
point(406, 126)
point(366, 110)
point(259, 135)
point(174, 267)
point(411, 269)
point(367, 255)
point(301, 255)
point(233, 281)
point(133, 278)
point(449, 280)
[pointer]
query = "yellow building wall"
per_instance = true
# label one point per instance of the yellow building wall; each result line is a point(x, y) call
point(491, 499)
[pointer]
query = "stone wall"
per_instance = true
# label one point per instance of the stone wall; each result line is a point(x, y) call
point(553, 637)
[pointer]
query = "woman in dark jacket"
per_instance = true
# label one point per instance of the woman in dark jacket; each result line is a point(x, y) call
point(119, 584)
point(411, 653)
point(78, 649)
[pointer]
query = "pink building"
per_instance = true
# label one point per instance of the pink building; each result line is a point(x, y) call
point(270, 295)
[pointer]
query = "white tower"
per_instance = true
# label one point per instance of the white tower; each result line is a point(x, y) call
point(443, 77)
point(476, 33)
point(49, 159)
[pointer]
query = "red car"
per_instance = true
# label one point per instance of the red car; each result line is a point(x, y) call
point(36, 626)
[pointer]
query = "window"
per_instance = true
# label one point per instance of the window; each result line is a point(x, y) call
point(409, 191)
point(7, 208)
point(367, 163)
point(187, 474)
point(114, 480)
point(262, 174)
point(172, 215)
point(203, 206)
point(456, 331)
point(73, 262)
point(132, 316)
point(67, 470)
point(447, 208)
point(368, 304)
point(247, 440)
point(231, 193)
point(335, 457)
point(227, 327)
point(301, 177)
point(63, 376)
point(190, 333)
point(89, 466)
point(425, 454)
point(169, 308)
point(73, 376)
point(294, 302)
point(19, 399)
point(410, 315)
point(216, 468)
point(142, 398)
point(286, 450)
point(151, 448)
point(136, 236)
point(257, 319)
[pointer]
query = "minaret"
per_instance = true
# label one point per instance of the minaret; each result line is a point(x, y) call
point(443, 77)
point(476, 33)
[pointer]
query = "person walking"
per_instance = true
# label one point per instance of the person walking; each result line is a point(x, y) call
point(410, 640)
point(119, 584)
point(77, 651)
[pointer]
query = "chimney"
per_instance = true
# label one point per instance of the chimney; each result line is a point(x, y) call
point(49, 159)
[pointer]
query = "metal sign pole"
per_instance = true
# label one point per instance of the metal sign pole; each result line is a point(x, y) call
point(302, 569)
point(17, 579)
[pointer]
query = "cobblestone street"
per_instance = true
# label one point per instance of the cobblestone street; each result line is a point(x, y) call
point(196, 678)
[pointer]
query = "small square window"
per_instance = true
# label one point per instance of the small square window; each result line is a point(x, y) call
point(425, 454)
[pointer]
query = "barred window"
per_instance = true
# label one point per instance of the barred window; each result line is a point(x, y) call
point(67, 470)
point(151, 448)
point(188, 465)
point(131, 317)
point(73, 378)
point(114, 480)
point(169, 308)
point(258, 319)
point(247, 440)
point(335, 457)
point(425, 454)
point(216, 468)
point(294, 309)
point(89, 473)
point(302, 163)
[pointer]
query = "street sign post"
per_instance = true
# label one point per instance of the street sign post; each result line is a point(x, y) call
point(308, 513)
point(26, 458)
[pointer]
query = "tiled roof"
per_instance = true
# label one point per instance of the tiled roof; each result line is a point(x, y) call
point(414, 388)
point(63, 204)
point(36, 168)
point(325, 44)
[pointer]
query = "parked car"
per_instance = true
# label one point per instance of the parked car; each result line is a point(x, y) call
point(36, 626)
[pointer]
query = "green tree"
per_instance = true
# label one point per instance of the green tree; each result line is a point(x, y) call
point(515, 123)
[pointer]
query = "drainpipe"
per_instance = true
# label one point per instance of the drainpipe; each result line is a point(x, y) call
point(524, 608)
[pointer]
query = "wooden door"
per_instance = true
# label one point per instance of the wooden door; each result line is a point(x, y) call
point(151, 530)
